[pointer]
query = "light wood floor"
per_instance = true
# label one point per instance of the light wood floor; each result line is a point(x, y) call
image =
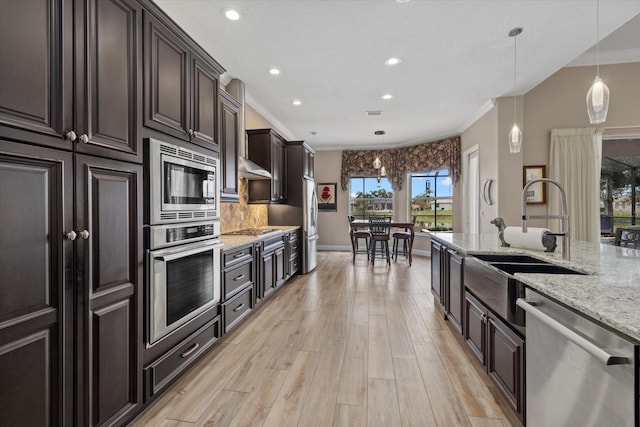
point(347, 345)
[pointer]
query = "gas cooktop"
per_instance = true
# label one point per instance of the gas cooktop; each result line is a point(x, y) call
point(251, 232)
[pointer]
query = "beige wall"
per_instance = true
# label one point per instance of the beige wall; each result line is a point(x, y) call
point(332, 226)
point(558, 102)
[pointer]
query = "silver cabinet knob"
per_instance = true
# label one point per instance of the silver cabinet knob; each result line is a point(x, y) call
point(190, 132)
point(70, 136)
point(83, 138)
point(195, 134)
point(84, 234)
point(70, 235)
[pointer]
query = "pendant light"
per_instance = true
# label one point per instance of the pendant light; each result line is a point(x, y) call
point(515, 135)
point(598, 95)
point(377, 163)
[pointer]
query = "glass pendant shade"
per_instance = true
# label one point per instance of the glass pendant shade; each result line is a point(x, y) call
point(383, 171)
point(515, 139)
point(598, 101)
point(377, 163)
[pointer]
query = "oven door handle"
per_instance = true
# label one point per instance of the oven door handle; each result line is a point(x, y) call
point(599, 353)
point(181, 254)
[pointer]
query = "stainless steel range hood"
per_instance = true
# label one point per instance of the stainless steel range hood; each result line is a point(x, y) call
point(246, 168)
point(249, 170)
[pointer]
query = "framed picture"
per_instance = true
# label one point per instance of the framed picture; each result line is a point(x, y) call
point(536, 193)
point(327, 196)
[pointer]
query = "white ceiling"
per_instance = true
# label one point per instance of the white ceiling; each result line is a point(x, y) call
point(456, 58)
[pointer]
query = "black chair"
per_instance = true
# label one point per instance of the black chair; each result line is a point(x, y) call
point(380, 228)
point(628, 236)
point(356, 234)
point(405, 236)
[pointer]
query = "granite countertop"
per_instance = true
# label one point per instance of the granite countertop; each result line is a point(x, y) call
point(609, 293)
point(234, 241)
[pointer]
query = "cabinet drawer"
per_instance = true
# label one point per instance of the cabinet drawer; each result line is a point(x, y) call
point(236, 256)
point(160, 373)
point(236, 309)
point(273, 243)
point(237, 278)
point(294, 265)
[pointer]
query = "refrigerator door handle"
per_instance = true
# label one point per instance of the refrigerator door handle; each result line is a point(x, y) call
point(314, 237)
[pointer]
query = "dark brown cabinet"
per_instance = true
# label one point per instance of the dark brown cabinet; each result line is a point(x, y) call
point(108, 289)
point(238, 284)
point(229, 110)
point(181, 86)
point(45, 100)
point(268, 150)
point(438, 271)
point(499, 349)
point(72, 324)
point(271, 266)
point(455, 290)
point(36, 286)
point(292, 253)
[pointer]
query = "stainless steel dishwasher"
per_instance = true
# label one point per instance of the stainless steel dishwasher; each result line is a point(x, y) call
point(578, 373)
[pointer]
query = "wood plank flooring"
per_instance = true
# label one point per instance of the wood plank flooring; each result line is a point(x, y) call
point(347, 345)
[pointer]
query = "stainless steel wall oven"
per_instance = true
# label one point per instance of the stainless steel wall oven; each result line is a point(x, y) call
point(183, 238)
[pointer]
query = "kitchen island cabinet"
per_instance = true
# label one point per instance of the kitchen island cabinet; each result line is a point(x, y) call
point(447, 281)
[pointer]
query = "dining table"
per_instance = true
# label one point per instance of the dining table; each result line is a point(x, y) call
point(406, 225)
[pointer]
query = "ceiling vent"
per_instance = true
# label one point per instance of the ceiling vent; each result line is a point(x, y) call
point(373, 113)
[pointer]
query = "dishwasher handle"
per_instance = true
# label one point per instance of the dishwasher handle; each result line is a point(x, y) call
point(599, 353)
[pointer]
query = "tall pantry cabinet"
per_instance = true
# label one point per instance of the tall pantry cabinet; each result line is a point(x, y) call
point(71, 213)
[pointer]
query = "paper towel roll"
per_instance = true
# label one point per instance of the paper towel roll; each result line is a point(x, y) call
point(532, 239)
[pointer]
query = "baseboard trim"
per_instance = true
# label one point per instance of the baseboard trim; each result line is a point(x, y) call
point(334, 248)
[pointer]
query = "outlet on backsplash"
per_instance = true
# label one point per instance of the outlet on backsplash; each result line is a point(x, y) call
point(237, 216)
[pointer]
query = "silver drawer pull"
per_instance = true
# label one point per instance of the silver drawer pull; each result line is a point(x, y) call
point(188, 353)
point(239, 255)
point(238, 278)
point(599, 353)
point(238, 307)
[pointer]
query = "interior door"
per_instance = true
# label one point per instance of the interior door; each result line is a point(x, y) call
point(471, 190)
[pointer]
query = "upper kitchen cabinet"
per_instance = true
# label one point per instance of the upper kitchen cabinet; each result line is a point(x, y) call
point(181, 85)
point(71, 83)
point(229, 110)
point(268, 150)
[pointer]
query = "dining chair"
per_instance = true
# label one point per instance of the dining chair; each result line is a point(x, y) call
point(380, 228)
point(628, 236)
point(405, 236)
point(356, 234)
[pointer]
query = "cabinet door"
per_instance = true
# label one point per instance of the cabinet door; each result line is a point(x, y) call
point(475, 326)
point(36, 96)
point(505, 362)
point(267, 274)
point(436, 270)
point(229, 111)
point(36, 288)
point(456, 289)
point(109, 263)
point(109, 64)
point(204, 105)
point(166, 64)
point(276, 171)
point(280, 265)
point(308, 163)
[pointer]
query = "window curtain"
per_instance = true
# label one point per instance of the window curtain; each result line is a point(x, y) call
point(398, 161)
point(575, 159)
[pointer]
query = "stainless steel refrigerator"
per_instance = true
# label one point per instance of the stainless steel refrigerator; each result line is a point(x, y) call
point(302, 210)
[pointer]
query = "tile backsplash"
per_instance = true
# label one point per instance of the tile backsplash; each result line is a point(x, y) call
point(236, 216)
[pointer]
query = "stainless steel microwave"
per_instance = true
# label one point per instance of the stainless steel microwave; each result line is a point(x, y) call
point(183, 184)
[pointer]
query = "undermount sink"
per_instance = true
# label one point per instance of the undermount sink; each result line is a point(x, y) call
point(540, 268)
point(513, 263)
point(510, 258)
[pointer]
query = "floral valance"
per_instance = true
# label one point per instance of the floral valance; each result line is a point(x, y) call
point(398, 161)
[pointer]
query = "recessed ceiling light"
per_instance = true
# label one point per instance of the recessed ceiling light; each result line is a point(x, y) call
point(387, 96)
point(296, 102)
point(274, 71)
point(393, 61)
point(232, 15)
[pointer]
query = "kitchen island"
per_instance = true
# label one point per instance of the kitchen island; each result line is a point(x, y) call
point(609, 293)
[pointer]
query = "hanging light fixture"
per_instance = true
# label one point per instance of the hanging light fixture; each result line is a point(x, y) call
point(598, 95)
point(377, 163)
point(515, 135)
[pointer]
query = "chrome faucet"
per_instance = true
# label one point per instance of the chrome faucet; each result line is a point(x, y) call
point(564, 217)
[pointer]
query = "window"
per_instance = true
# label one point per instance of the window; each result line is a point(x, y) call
point(432, 200)
point(368, 196)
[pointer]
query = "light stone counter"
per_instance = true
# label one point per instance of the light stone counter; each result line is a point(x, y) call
point(609, 293)
point(235, 241)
